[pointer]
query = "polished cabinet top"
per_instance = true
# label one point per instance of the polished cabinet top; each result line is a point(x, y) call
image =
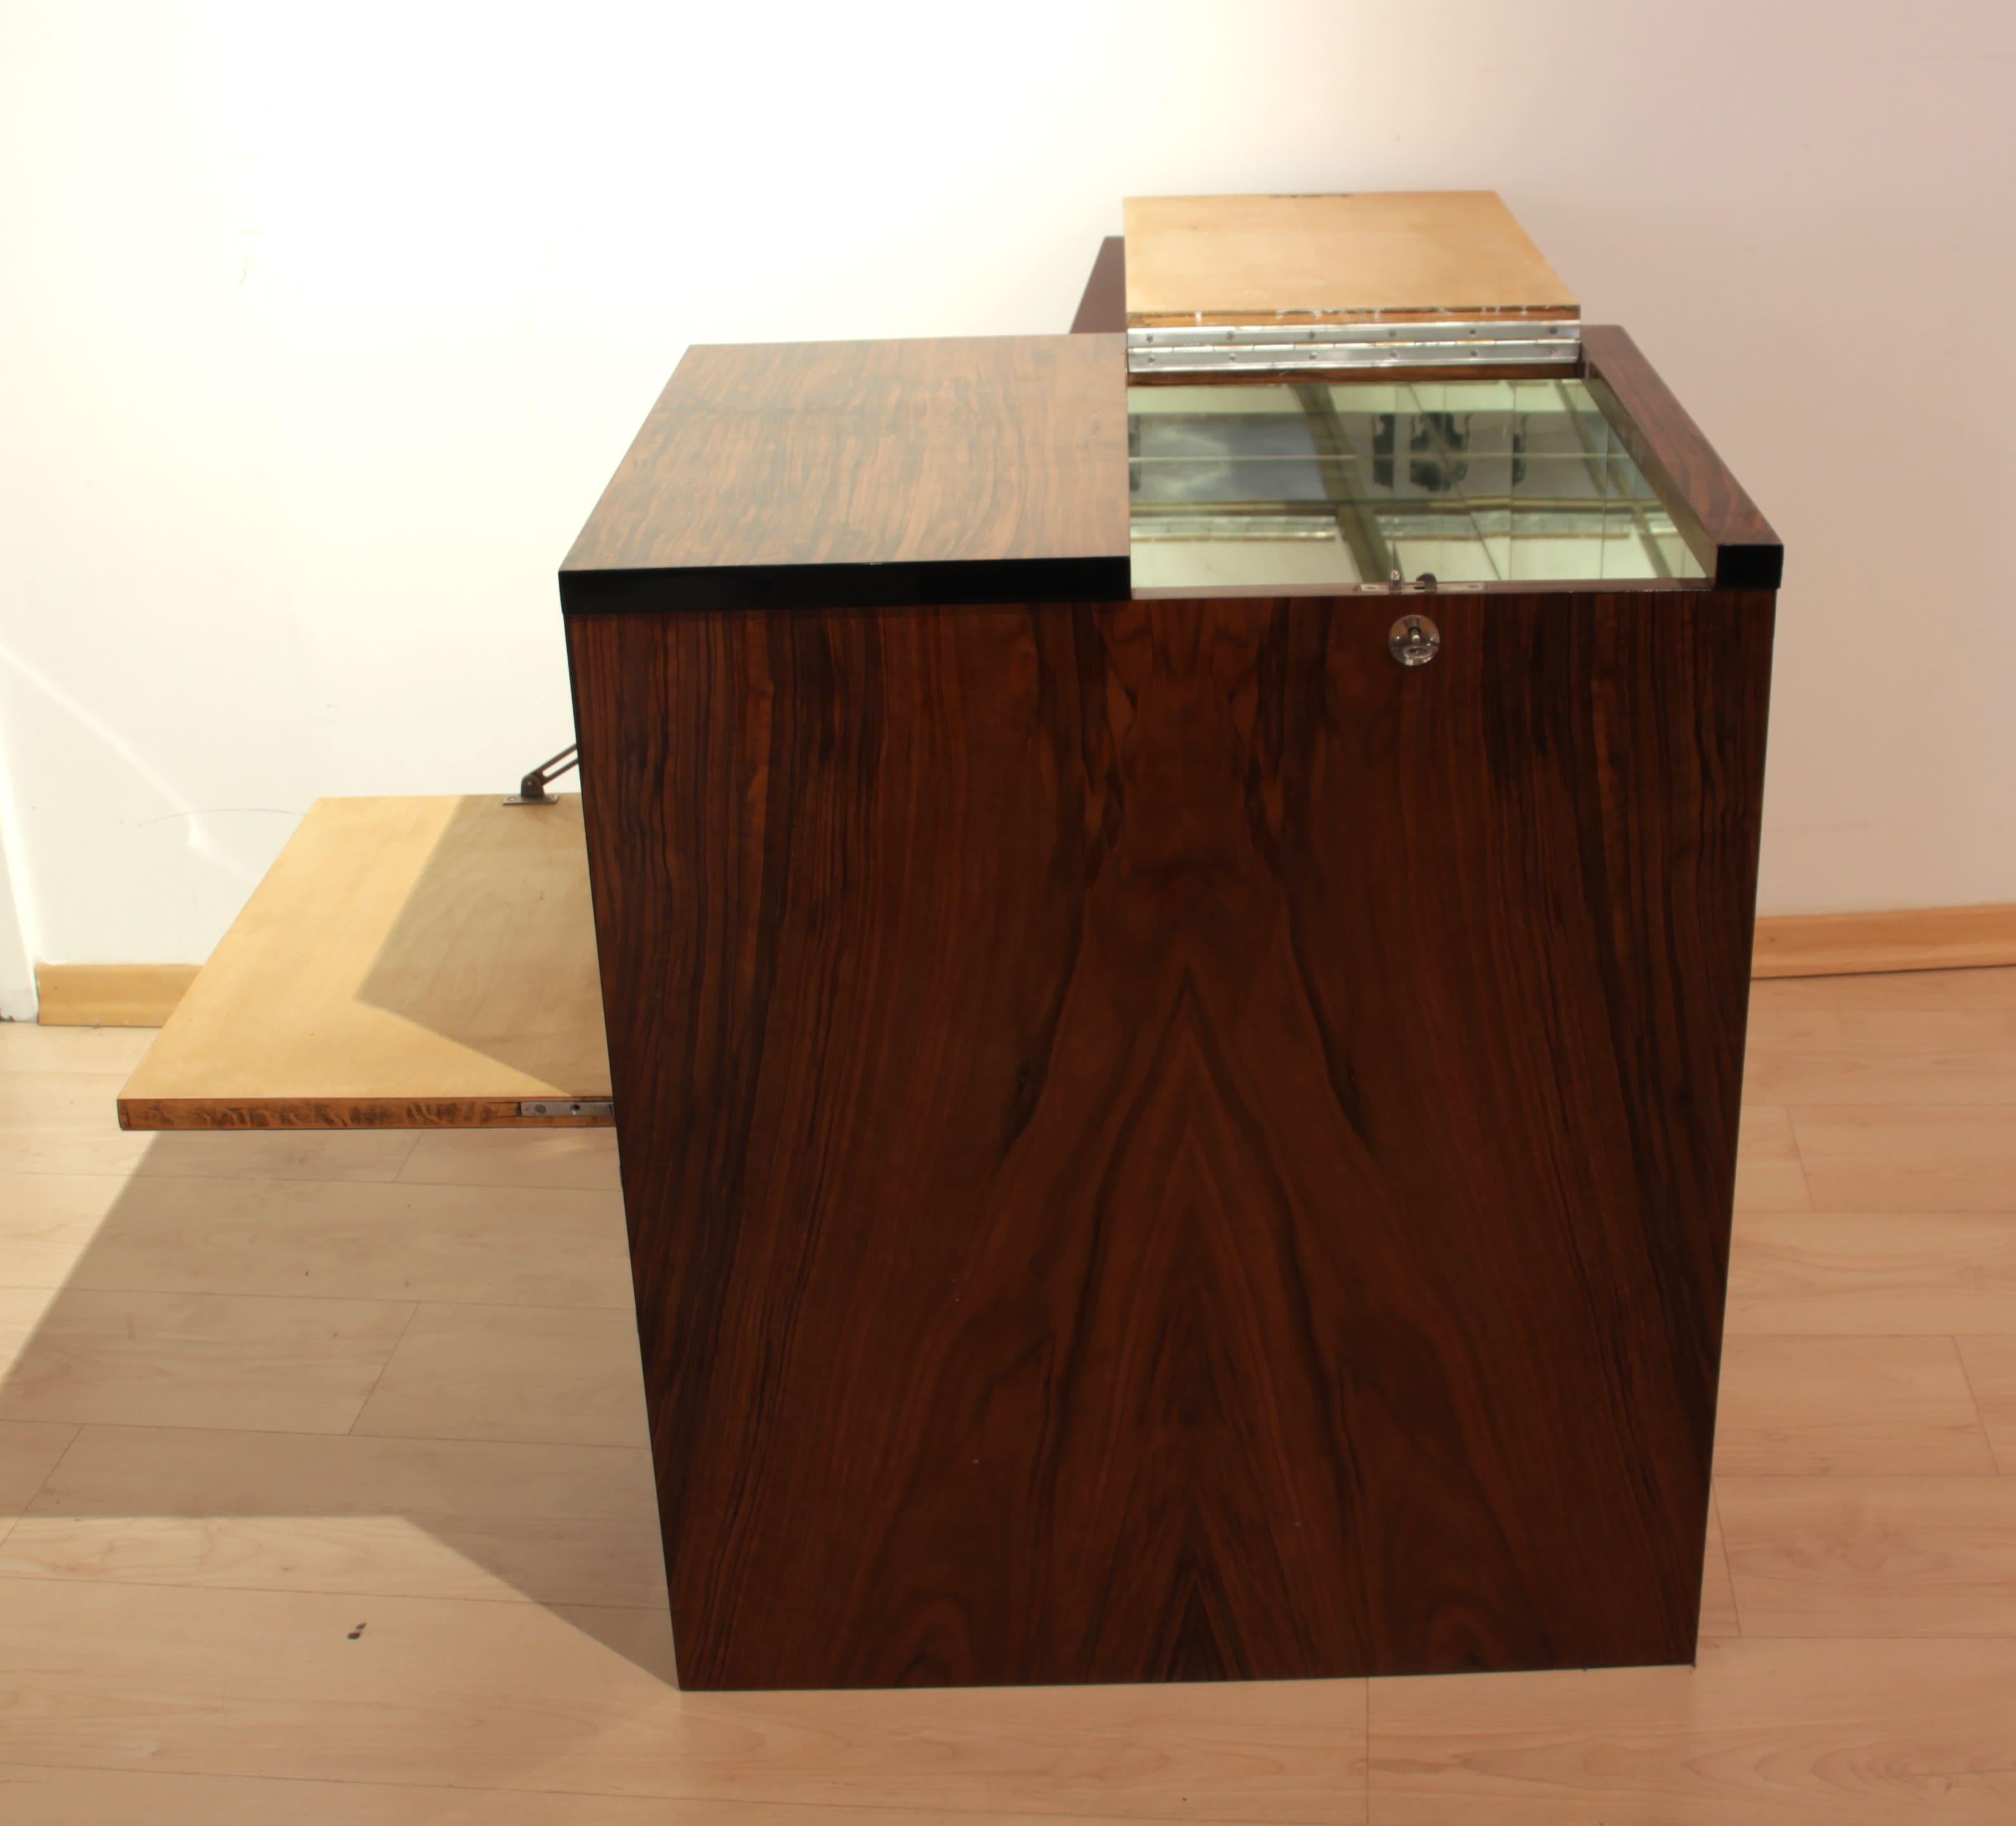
point(795, 477)
point(868, 474)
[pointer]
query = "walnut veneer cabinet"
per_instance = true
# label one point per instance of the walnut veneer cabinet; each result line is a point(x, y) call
point(1175, 931)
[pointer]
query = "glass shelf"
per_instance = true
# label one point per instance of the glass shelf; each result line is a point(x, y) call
point(1323, 483)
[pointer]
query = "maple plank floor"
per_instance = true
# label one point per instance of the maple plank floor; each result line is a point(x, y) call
point(324, 1497)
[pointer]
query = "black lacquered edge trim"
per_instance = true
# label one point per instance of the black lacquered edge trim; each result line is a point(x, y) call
point(1749, 567)
point(780, 586)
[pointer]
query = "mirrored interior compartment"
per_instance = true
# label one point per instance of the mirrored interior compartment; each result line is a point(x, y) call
point(1337, 484)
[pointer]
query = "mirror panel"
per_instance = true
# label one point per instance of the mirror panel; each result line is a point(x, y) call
point(1344, 483)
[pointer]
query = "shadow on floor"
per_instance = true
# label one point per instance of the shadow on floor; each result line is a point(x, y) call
point(308, 1375)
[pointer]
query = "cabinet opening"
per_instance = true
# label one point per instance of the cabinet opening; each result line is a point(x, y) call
point(1340, 484)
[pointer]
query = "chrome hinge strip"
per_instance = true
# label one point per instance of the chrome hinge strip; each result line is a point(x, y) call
point(1479, 330)
point(589, 1106)
point(1531, 341)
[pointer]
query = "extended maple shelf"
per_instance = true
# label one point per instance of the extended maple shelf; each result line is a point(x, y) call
point(1390, 254)
point(406, 963)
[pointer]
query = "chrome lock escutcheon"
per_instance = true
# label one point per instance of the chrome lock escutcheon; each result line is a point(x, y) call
point(1413, 640)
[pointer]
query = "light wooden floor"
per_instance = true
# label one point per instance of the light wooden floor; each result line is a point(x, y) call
point(323, 1499)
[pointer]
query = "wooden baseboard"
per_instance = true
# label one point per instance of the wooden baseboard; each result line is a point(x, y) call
point(1854, 944)
point(1814, 944)
point(109, 995)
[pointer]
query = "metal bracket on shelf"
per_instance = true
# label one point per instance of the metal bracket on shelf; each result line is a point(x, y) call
point(532, 789)
point(590, 1106)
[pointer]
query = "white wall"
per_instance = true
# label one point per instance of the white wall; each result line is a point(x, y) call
point(324, 325)
point(17, 981)
point(17, 977)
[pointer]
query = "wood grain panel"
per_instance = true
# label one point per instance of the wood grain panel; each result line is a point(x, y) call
point(979, 469)
point(405, 963)
point(1194, 1151)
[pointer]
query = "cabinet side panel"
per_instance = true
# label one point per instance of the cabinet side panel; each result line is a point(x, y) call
point(1160, 1145)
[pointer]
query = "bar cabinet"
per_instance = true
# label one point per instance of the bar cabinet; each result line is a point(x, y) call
point(1173, 910)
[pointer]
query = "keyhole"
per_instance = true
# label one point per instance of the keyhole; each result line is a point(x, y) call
point(1413, 640)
